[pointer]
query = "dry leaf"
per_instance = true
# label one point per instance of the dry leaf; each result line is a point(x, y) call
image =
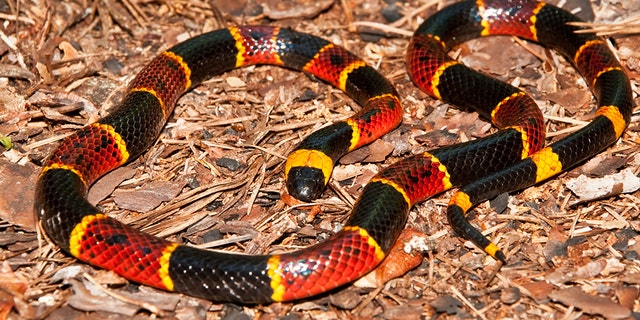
point(590, 304)
point(588, 189)
point(405, 255)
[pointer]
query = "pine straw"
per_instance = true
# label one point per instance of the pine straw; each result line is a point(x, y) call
point(629, 26)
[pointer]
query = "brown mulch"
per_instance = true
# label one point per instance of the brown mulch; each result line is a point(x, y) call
point(215, 177)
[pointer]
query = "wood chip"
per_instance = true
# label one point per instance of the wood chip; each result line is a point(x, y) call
point(590, 304)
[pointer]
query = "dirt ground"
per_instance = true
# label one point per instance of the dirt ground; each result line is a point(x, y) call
point(215, 177)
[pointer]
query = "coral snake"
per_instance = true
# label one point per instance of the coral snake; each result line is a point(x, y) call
point(511, 159)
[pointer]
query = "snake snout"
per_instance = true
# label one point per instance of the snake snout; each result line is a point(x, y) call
point(305, 183)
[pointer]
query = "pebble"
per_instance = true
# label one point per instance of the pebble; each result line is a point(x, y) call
point(510, 295)
point(229, 163)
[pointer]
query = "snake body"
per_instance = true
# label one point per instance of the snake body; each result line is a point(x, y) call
point(511, 159)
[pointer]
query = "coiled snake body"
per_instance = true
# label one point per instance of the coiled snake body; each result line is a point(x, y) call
point(512, 159)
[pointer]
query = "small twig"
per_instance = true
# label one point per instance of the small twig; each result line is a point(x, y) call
point(616, 215)
point(564, 131)
point(10, 17)
point(372, 295)
point(382, 27)
point(415, 12)
point(630, 25)
point(256, 189)
point(265, 150)
point(223, 122)
point(46, 141)
point(224, 242)
point(147, 306)
point(493, 273)
point(346, 9)
point(9, 43)
point(526, 47)
point(292, 126)
point(567, 120)
point(467, 302)
point(136, 12)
